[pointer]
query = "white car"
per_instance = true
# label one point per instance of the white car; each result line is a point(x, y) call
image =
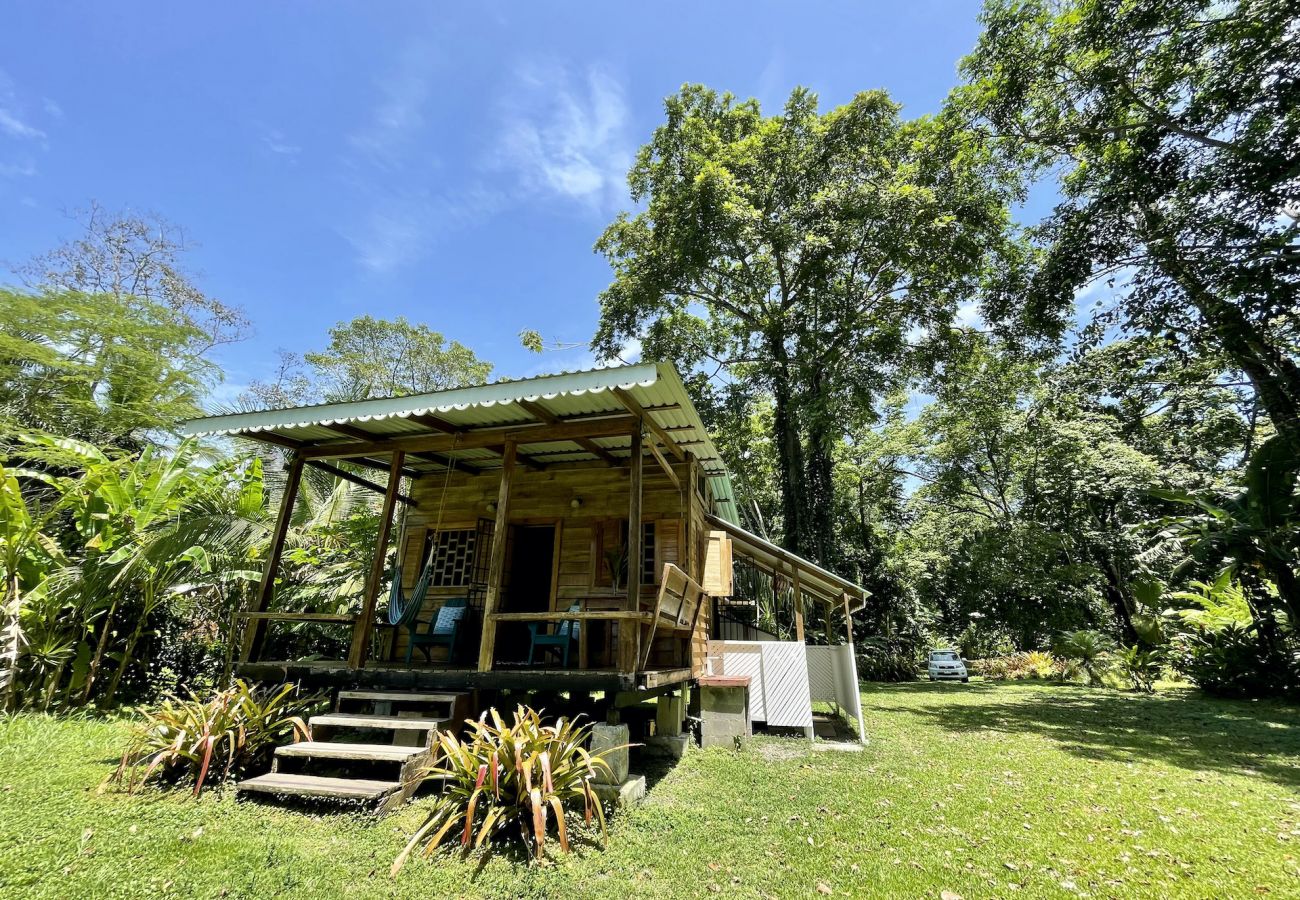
point(947, 664)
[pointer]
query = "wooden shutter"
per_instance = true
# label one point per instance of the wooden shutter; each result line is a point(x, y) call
point(717, 564)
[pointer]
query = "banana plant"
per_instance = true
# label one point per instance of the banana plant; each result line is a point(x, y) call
point(26, 555)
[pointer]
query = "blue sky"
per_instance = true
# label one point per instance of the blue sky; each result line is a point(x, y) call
point(450, 163)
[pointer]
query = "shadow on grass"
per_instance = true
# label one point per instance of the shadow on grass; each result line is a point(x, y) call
point(1184, 729)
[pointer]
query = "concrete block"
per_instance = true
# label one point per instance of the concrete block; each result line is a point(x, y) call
point(627, 793)
point(724, 715)
point(670, 710)
point(605, 737)
point(671, 746)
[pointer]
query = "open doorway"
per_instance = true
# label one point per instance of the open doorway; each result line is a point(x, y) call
point(529, 576)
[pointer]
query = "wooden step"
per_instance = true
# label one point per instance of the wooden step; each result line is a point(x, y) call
point(399, 696)
point(317, 786)
point(386, 723)
point(360, 752)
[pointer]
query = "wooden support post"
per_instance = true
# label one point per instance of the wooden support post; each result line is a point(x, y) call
point(255, 630)
point(497, 564)
point(366, 622)
point(798, 606)
point(848, 620)
point(634, 523)
point(629, 654)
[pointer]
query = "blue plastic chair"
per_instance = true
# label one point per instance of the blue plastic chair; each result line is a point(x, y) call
point(566, 635)
point(443, 630)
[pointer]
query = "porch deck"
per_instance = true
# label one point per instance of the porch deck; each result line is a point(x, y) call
point(337, 673)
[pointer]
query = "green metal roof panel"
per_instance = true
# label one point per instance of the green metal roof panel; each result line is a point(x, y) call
point(656, 386)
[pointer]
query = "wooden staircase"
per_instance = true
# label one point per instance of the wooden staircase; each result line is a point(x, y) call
point(369, 751)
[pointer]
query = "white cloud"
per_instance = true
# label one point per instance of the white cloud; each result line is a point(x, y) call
point(52, 109)
point(400, 109)
point(17, 170)
point(400, 226)
point(567, 136)
point(968, 315)
point(277, 143)
point(13, 120)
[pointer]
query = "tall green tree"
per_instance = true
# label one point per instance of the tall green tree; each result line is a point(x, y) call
point(1173, 130)
point(803, 255)
point(369, 357)
point(95, 368)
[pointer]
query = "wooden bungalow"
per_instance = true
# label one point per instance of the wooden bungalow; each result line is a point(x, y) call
point(574, 532)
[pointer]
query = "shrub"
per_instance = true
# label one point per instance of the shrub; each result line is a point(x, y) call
point(211, 739)
point(1140, 665)
point(1031, 664)
point(1088, 648)
point(885, 659)
point(504, 781)
point(1232, 661)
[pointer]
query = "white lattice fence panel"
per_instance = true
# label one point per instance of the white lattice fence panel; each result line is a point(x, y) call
point(778, 672)
point(746, 659)
point(824, 674)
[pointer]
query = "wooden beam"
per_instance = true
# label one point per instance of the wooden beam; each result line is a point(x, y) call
point(436, 423)
point(352, 431)
point(356, 479)
point(527, 462)
point(636, 409)
point(379, 466)
point(798, 607)
point(634, 523)
point(256, 630)
point(269, 437)
point(366, 622)
point(444, 461)
point(848, 619)
point(497, 563)
point(664, 464)
point(538, 411)
point(611, 426)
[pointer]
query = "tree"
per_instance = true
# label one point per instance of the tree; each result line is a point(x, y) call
point(371, 357)
point(803, 254)
point(96, 368)
point(136, 259)
point(1174, 127)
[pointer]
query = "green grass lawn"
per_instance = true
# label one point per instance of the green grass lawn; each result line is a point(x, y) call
point(983, 790)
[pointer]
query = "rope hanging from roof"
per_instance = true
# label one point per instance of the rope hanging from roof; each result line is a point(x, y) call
point(403, 609)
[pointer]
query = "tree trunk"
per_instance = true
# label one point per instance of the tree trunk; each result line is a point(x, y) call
point(100, 648)
point(789, 453)
point(1275, 377)
point(128, 656)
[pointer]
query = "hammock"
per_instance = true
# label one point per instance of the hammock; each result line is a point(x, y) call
point(403, 609)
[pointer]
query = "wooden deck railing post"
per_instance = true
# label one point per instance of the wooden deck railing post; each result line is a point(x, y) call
point(366, 623)
point(255, 629)
point(497, 564)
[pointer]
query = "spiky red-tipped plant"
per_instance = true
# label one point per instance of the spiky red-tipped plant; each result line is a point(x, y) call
point(506, 782)
point(208, 738)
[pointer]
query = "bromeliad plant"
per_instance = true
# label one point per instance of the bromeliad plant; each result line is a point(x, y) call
point(209, 739)
point(509, 781)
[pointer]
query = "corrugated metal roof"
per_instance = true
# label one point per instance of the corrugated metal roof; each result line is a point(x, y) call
point(655, 386)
